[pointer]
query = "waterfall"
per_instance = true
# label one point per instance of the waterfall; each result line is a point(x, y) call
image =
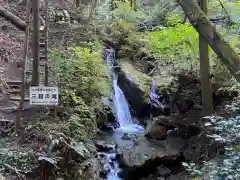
point(122, 107)
point(123, 113)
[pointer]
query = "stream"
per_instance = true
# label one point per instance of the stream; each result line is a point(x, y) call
point(127, 124)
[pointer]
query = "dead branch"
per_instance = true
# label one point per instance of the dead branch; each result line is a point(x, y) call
point(13, 18)
point(152, 71)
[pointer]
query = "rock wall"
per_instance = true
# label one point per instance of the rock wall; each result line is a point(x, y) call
point(135, 96)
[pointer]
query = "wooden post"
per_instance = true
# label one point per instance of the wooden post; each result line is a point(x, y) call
point(19, 119)
point(35, 43)
point(46, 43)
point(205, 70)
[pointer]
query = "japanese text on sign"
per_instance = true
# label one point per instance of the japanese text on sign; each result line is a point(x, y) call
point(42, 95)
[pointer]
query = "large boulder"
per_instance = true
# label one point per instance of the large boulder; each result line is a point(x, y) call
point(156, 131)
point(141, 156)
point(136, 86)
point(158, 127)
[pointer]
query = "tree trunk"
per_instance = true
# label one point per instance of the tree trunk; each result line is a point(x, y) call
point(204, 27)
point(13, 18)
point(19, 119)
point(46, 43)
point(92, 9)
point(35, 46)
point(135, 5)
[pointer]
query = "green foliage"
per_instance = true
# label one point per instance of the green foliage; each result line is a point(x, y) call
point(19, 159)
point(81, 71)
point(173, 20)
point(125, 27)
point(82, 123)
point(125, 12)
point(174, 42)
point(82, 77)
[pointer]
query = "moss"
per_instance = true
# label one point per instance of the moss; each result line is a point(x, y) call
point(144, 82)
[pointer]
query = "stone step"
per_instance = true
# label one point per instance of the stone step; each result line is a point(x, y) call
point(29, 72)
point(18, 98)
point(9, 83)
point(14, 91)
point(42, 45)
point(6, 121)
point(43, 58)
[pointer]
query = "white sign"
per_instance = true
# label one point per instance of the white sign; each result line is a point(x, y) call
point(43, 95)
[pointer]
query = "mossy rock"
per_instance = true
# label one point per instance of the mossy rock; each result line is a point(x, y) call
point(136, 85)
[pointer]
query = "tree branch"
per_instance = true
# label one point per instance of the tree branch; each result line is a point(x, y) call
point(13, 18)
point(202, 24)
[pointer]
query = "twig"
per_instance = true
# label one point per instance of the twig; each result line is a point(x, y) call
point(228, 16)
point(14, 169)
point(151, 72)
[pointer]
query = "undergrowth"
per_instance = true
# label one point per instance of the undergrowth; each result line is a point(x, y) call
point(225, 165)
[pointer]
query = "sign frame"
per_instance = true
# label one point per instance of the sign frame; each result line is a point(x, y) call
point(44, 96)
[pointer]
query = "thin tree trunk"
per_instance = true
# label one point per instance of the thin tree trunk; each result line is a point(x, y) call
point(92, 10)
point(25, 53)
point(205, 71)
point(13, 18)
point(35, 40)
point(134, 5)
point(202, 24)
point(46, 43)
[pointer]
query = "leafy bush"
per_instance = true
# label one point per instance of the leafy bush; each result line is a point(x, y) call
point(82, 77)
point(82, 72)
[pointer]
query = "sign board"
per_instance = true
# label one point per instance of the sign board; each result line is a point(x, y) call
point(43, 95)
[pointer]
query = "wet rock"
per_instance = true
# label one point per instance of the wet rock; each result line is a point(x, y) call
point(105, 169)
point(129, 136)
point(105, 164)
point(134, 93)
point(163, 171)
point(143, 152)
point(156, 129)
point(107, 127)
point(104, 146)
point(136, 85)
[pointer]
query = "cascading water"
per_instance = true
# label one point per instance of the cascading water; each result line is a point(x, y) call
point(122, 107)
point(123, 115)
